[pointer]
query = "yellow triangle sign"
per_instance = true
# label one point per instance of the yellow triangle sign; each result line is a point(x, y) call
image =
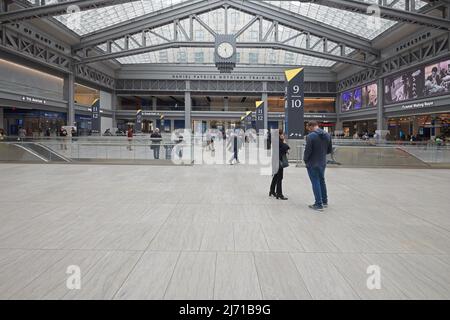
point(137, 112)
point(259, 103)
point(290, 74)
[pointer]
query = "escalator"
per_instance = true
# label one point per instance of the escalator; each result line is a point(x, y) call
point(30, 152)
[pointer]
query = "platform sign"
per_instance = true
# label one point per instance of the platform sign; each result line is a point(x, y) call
point(247, 120)
point(96, 118)
point(138, 124)
point(260, 106)
point(294, 105)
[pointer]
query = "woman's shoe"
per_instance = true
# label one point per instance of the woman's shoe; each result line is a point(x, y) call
point(272, 194)
point(281, 197)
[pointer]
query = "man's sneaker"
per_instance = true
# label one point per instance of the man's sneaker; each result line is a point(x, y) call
point(316, 207)
point(325, 205)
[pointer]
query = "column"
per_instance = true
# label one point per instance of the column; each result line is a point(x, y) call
point(264, 97)
point(114, 109)
point(3, 6)
point(2, 120)
point(416, 126)
point(154, 103)
point(69, 96)
point(187, 106)
point(172, 125)
point(339, 127)
point(225, 104)
point(381, 120)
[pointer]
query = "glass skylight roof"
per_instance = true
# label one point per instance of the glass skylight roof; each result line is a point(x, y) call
point(353, 23)
point(245, 57)
point(97, 19)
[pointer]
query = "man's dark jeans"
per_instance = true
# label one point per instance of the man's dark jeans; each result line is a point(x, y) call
point(156, 152)
point(317, 177)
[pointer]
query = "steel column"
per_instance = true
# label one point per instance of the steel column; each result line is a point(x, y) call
point(264, 98)
point(187, 106)
point(381, 121)
point(69, 96)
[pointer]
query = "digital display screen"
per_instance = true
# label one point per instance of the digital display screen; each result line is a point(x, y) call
point(359, 98)
point(420, 82)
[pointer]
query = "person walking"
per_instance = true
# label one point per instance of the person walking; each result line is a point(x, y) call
point(156, 139)
point(318, 145)
point(22, 134)
point(130, 138)
point(233, 146)
point(63, 134)
point(269, 140)
point(276, 189)
point(2, 134)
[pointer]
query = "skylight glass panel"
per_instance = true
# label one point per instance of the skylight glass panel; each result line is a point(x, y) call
point(100, 18)
point(248, 56)
point(354, 23)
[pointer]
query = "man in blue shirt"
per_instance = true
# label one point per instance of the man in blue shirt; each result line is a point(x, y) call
point(318, 145)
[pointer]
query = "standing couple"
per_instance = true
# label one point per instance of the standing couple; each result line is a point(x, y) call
point(318, 145)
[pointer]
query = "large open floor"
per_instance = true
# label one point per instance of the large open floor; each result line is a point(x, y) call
point(212, 232)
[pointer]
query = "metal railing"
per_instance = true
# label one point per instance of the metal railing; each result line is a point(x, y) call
point(141, 148)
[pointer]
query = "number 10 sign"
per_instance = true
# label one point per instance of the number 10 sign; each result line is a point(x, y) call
point(294, 111)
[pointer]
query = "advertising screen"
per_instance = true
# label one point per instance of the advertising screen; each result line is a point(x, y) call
point(359, 98)
point(352, 100)
point(406, 86)
point(437, 78)
point(370, 95)
point(420, 82)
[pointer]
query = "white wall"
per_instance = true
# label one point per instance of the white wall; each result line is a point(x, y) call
point(105, 100)
point(14, 77)
point(106, 123)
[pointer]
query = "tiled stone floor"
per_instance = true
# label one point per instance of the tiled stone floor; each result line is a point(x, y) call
point(212, 232)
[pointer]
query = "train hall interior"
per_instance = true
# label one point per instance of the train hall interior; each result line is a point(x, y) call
point(143, 149)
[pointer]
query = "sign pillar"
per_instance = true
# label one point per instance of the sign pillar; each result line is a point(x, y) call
point(260, 116)
point(138, 124)
point(294, 105)
point(247, 119)
point(96, 118)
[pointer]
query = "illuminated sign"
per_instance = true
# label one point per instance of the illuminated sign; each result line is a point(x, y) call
point(33, 100)
point(418, 105)
point(247, 77)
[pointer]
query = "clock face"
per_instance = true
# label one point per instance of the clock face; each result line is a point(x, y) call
point(225, 50)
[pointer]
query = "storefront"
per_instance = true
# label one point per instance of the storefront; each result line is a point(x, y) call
point(353, 128)
point(83, 124)
point(419, 127)
point(35, 122)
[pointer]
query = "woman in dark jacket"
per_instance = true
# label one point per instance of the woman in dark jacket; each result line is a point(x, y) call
point(276, 187)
